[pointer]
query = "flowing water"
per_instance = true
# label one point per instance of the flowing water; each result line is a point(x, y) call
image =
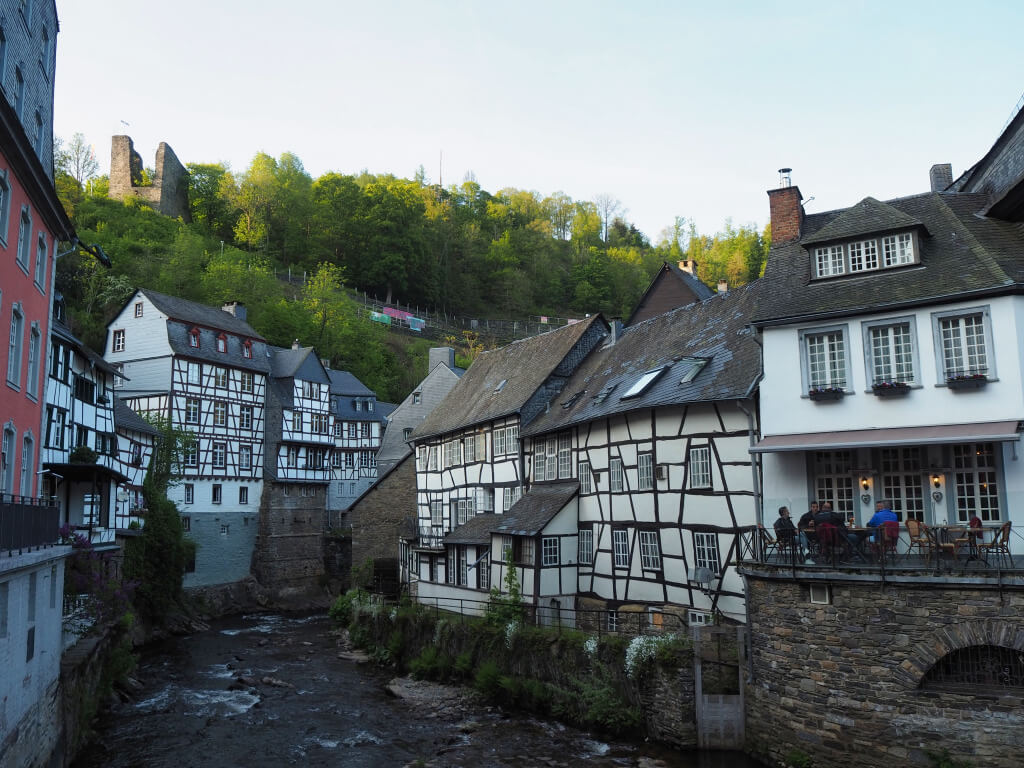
point(297, 703)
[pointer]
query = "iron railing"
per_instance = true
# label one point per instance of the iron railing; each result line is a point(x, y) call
point(27, 522)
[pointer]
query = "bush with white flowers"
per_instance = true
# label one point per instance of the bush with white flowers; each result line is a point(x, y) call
point(643, 649)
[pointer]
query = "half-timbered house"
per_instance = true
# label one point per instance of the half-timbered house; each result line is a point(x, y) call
point(136, 439)
point(654, 427)
point(358, 428)
point(80, 457)
point(205, 370)
point(297, 471)
point(468, 457)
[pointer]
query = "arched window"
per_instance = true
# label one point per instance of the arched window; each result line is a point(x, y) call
point(978, 669)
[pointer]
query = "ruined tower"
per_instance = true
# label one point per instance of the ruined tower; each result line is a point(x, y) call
point(168, 194)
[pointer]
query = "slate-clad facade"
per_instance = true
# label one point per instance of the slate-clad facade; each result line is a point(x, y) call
point(206, 370)
point(358, 429)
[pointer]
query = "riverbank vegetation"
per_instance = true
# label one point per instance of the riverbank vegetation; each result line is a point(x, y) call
point(573, 676)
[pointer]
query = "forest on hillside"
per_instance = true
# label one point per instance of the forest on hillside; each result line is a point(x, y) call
point(458, 249)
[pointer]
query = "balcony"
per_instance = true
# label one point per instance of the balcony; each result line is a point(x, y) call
point(431, 538)
point(27, 523)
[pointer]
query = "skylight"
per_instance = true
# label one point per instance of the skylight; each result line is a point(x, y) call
point(692, 367)
point(501, 385)
point(641, 384)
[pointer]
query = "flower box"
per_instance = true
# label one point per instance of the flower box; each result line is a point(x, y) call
point(958, 383)
point(826, 394)
point(890, 389)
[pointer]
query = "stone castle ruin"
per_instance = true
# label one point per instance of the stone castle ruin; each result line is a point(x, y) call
point(168, 193)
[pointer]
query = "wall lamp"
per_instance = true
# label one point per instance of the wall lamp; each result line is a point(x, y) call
point(865, 483)
point(937, 480)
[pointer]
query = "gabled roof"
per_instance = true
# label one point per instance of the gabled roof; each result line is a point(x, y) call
point(284, 362)
point(536, 509)
point(501, 381)
point(194, 313)
point(476, 530)
point(711, 336)
point(126, 418)
point(62, 331)
point(964, 255)
point(345, 384)
point(868, 217)
point(670, 271)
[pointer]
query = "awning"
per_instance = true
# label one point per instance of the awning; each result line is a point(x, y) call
point(991, 431)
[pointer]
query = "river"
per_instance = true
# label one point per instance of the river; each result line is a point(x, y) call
point(299, 704)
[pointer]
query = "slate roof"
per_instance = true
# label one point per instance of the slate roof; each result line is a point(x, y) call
point(199, 314)
point(714, 330)
point(523, 365)
point(694, 283)
point(961, 255)
point(65, 333)
point(344, 383)
point(476, 530)
point(126, 418)
point(536, 508)
point(866, 217)
point(285, 361)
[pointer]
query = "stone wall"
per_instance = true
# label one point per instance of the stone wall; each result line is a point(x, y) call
point(378, 516)
point(168, 193)
point(842, 682)
point(289, 561)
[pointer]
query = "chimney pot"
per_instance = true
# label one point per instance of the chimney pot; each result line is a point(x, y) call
point(723, 286)
point(940, 176)
point(295, 344)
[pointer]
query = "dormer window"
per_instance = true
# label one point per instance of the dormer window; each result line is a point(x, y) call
point(193, 338)
point(222, 343)
point(247, 349)
point(864, 255)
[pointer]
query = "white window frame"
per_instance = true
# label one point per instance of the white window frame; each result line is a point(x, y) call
point(243, 494)
point(23, 254)
point(217, 496)
point(988, 364)
point(221, 378)
point(35, 339)
point(14, 351)
point(899, 249)
point(549, 546)
point(245, 417)
point(218, 455)
point(888, 351)
point(620, 548)
point(645, 472)
point(698, 461)
point(863, 255)
point(138, 309)
point(194, 373)
point(615, 475)
point(564, 455)
point(809, 336)
point(190, 493)
point(976, 481)
point(585, 546)
point(510, 496)
point(650, 550)
point(585, 477)
point(117, 343)
point(436, 514)
point(220, 413)
point(246, 381)
point(192, 409)
point(706, 553)
point(5, 185)
point(829, 261)
point(42, 252)
point(244, 457)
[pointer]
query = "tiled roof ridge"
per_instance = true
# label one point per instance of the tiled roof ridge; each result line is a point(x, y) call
point(166, 303)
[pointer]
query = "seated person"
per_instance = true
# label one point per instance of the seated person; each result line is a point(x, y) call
point(785, 531)
point(828, 516)
point(882, 515)
point(806, 527)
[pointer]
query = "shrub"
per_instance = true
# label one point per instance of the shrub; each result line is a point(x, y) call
point(342, 610)
point(464, 665)
point(603, 707)
point(431, 664)
point(488, 680)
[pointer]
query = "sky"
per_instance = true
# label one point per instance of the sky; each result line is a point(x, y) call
point(679, 108)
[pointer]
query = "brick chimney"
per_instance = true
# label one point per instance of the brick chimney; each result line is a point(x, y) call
point(786, 212)
point(688, 265)
point(723, 286)
point(940, 176)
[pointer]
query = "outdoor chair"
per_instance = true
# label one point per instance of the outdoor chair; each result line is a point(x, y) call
point(886, 537)
point(1000, 545)
point(830, 544)
point(947, 540)
point(783, 547)
point(919, 540)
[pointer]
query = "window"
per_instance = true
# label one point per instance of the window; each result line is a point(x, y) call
point(700, 466)
point(318, 423)
point(190, 457)
point(136, 455)
point(222, 343)
point(483, 572)
point(650, 553)
point(358, 404)
point(965, 341)
point(220, 413)
point(292, 456)
point(369, 405)
point(243, 494)
point(829, 261)
point(509, 496)
point(217, 493)
point(586, 546)
point(499, 442)
point(5, 185)
point(364, 429)
point(564, 455)
point(7, 461)
point(194, 373)
point(24, 238)
point(705, 549)
point(612, 621)
point(977, 482)
point(583, 471)
point(641, 385)
point(41, 252)
point(190, 493)
point(245, 381)
point(825, 359)
point(898, 249)
point(436, 514)
point(350, 459)
point(192, 410)
point(14, 349)
point(833, 479)
point(32, 378)
point(889, 352)
point(645, 472)
point(56, 420)
point(225, 530)
point(193, 338)
point(863, 255)
point(311, 391)
point(902, 482)
point(245, 457)
point(219, 455)
point(296, 421)
point(118, 344)
point(351, 429)
point(84, 389)
point(138, 309)
point(220, 377)
point(247, 349)
point(27, 458)
point(433, 458)
point(549, 550)
point(406, 433)
point(615, 474)
point(620, 547)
